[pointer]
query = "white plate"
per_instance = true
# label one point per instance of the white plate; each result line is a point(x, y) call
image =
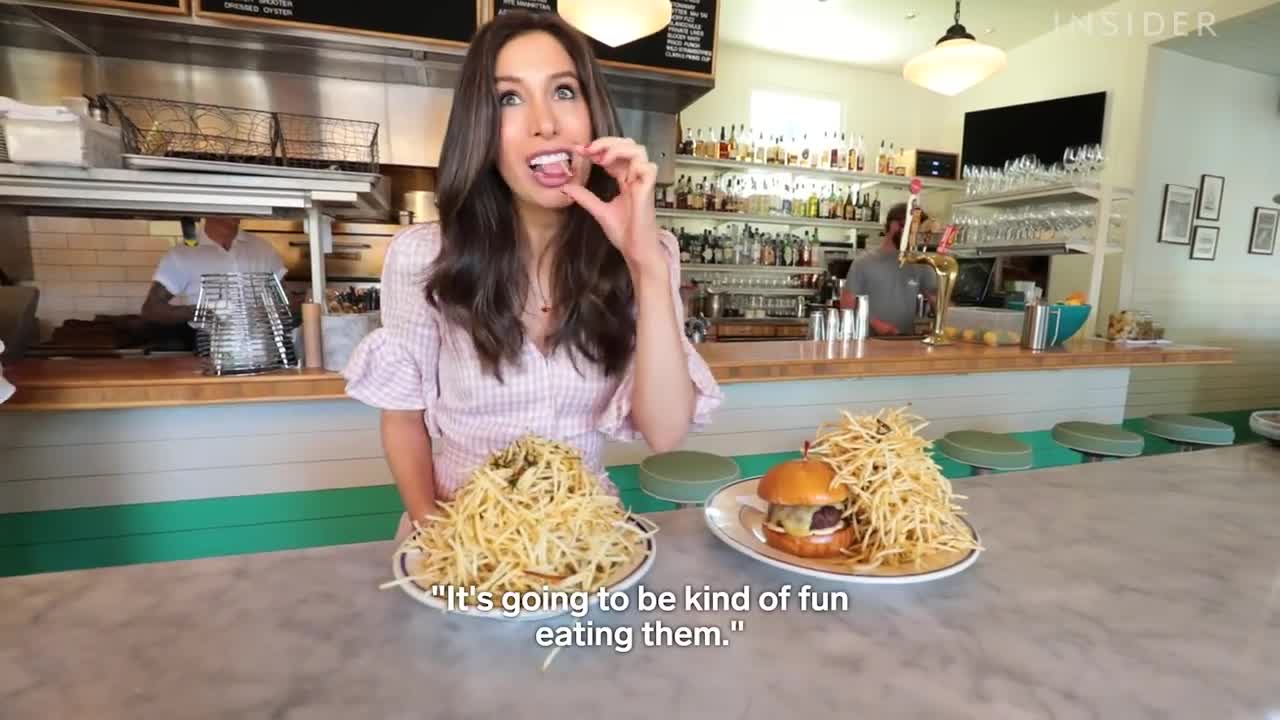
point(1267, 424)
point(733, 513)
point(622, 579)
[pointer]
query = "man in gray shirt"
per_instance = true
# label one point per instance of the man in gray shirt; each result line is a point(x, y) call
point(892, 289)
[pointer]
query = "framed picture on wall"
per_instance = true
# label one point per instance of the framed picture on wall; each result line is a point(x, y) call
point(1210, 205)
point(1176, 214)
point(1262, 236)
point(1204, 242)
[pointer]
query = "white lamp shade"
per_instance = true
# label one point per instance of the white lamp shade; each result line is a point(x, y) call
point(616, 22)
point(954, 66)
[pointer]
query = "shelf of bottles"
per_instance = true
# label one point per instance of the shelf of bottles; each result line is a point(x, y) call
point(830, 157)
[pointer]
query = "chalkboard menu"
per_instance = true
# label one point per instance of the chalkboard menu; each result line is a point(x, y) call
point(687, 45)
point(446, 21)
point(165, 6)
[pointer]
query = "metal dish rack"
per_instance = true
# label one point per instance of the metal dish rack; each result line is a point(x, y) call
point(243, 324)
point(199, 131)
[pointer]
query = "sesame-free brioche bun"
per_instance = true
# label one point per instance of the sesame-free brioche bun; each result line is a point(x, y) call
point(801, 482)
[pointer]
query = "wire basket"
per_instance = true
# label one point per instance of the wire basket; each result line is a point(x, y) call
point(308, 141)
point(199, 131)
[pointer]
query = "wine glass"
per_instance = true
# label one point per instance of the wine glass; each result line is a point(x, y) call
point(1071, 160)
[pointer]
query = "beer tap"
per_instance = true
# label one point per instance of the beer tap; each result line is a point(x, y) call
point(944, 266)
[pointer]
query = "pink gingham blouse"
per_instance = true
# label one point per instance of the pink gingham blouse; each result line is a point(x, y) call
point(417, 361)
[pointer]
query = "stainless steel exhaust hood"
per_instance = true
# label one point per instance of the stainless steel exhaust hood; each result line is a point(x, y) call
point(402, 85)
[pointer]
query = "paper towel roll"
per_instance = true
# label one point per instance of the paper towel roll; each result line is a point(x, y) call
point(312, 342)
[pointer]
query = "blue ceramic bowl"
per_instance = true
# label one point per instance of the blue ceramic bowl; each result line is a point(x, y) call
point(1072, 319)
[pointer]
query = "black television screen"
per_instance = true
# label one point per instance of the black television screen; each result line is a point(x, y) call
point(1045, 129)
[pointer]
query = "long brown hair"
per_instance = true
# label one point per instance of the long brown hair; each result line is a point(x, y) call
point(479, 281)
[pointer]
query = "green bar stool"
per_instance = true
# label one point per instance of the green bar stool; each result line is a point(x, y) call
point(985, 452)
point(1191, 432)
point(686, 477)
point(1096, 441)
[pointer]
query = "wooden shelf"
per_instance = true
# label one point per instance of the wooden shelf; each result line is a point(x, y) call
point(1077, 192)
point(754, 269)
point(864, 179)
point(786, 220)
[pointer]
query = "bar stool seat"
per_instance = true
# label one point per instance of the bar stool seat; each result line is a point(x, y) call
point(1097, 441)
point(985, 452)
point(1189, 432)
point(686, 477)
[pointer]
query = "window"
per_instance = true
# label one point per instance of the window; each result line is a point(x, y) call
point(793, 115)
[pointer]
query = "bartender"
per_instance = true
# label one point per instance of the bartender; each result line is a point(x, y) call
point(892, 288)
point(219, 247)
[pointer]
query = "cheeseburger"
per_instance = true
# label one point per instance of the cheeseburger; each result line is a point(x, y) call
point(806, 514)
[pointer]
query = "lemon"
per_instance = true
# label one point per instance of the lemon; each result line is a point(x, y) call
point(991, 337)
point(969, 335)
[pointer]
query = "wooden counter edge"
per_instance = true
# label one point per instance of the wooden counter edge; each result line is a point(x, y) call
point(105, 393)
point(837, 369)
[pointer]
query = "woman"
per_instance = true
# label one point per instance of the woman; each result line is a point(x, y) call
point(546, 300)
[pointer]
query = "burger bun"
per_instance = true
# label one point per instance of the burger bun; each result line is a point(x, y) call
point(801, 482)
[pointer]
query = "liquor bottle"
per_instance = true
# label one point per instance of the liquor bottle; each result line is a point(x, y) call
point(746, 146)
point(786, 199)
point(682, 197)
point(820, 150)
point(862, 156)
point(813, 203)
point(804, 151)
point(847, 211)
point(881, 159)
point(839, 153)
point(686, 146)
point(669, 196)
point(762, 150)
point(823, 206)
point(722, 147)
point(814, 248)
point(833, 204)
point(875, 208)
point(731, 152)
point(700, 145)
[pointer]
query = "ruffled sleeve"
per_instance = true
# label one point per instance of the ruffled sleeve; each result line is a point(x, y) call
point(395, 366)
point(616, 422)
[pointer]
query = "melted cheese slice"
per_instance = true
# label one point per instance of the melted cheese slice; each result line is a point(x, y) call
point(794, 519)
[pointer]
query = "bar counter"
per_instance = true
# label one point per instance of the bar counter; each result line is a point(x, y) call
point(96, 384)
point(1140, 588)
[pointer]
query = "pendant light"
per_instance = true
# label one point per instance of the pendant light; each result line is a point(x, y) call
point(956, 63)
point(616, 22)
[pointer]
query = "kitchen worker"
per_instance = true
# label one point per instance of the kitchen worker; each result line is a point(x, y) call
point(545, 301)
point(219, 247)
point(891, 288)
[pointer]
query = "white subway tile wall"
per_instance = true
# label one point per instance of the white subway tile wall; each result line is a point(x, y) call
point(86, 267)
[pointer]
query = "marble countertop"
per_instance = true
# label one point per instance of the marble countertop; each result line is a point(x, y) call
point(1135, 589)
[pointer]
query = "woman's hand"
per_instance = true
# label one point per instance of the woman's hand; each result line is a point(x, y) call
point(629, 220)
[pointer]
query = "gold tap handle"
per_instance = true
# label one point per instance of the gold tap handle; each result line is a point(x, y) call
point(906, 243)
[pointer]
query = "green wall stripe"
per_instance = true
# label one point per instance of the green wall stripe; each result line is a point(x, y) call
point(154, 532)
point(182, 515)
point(190, 544)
